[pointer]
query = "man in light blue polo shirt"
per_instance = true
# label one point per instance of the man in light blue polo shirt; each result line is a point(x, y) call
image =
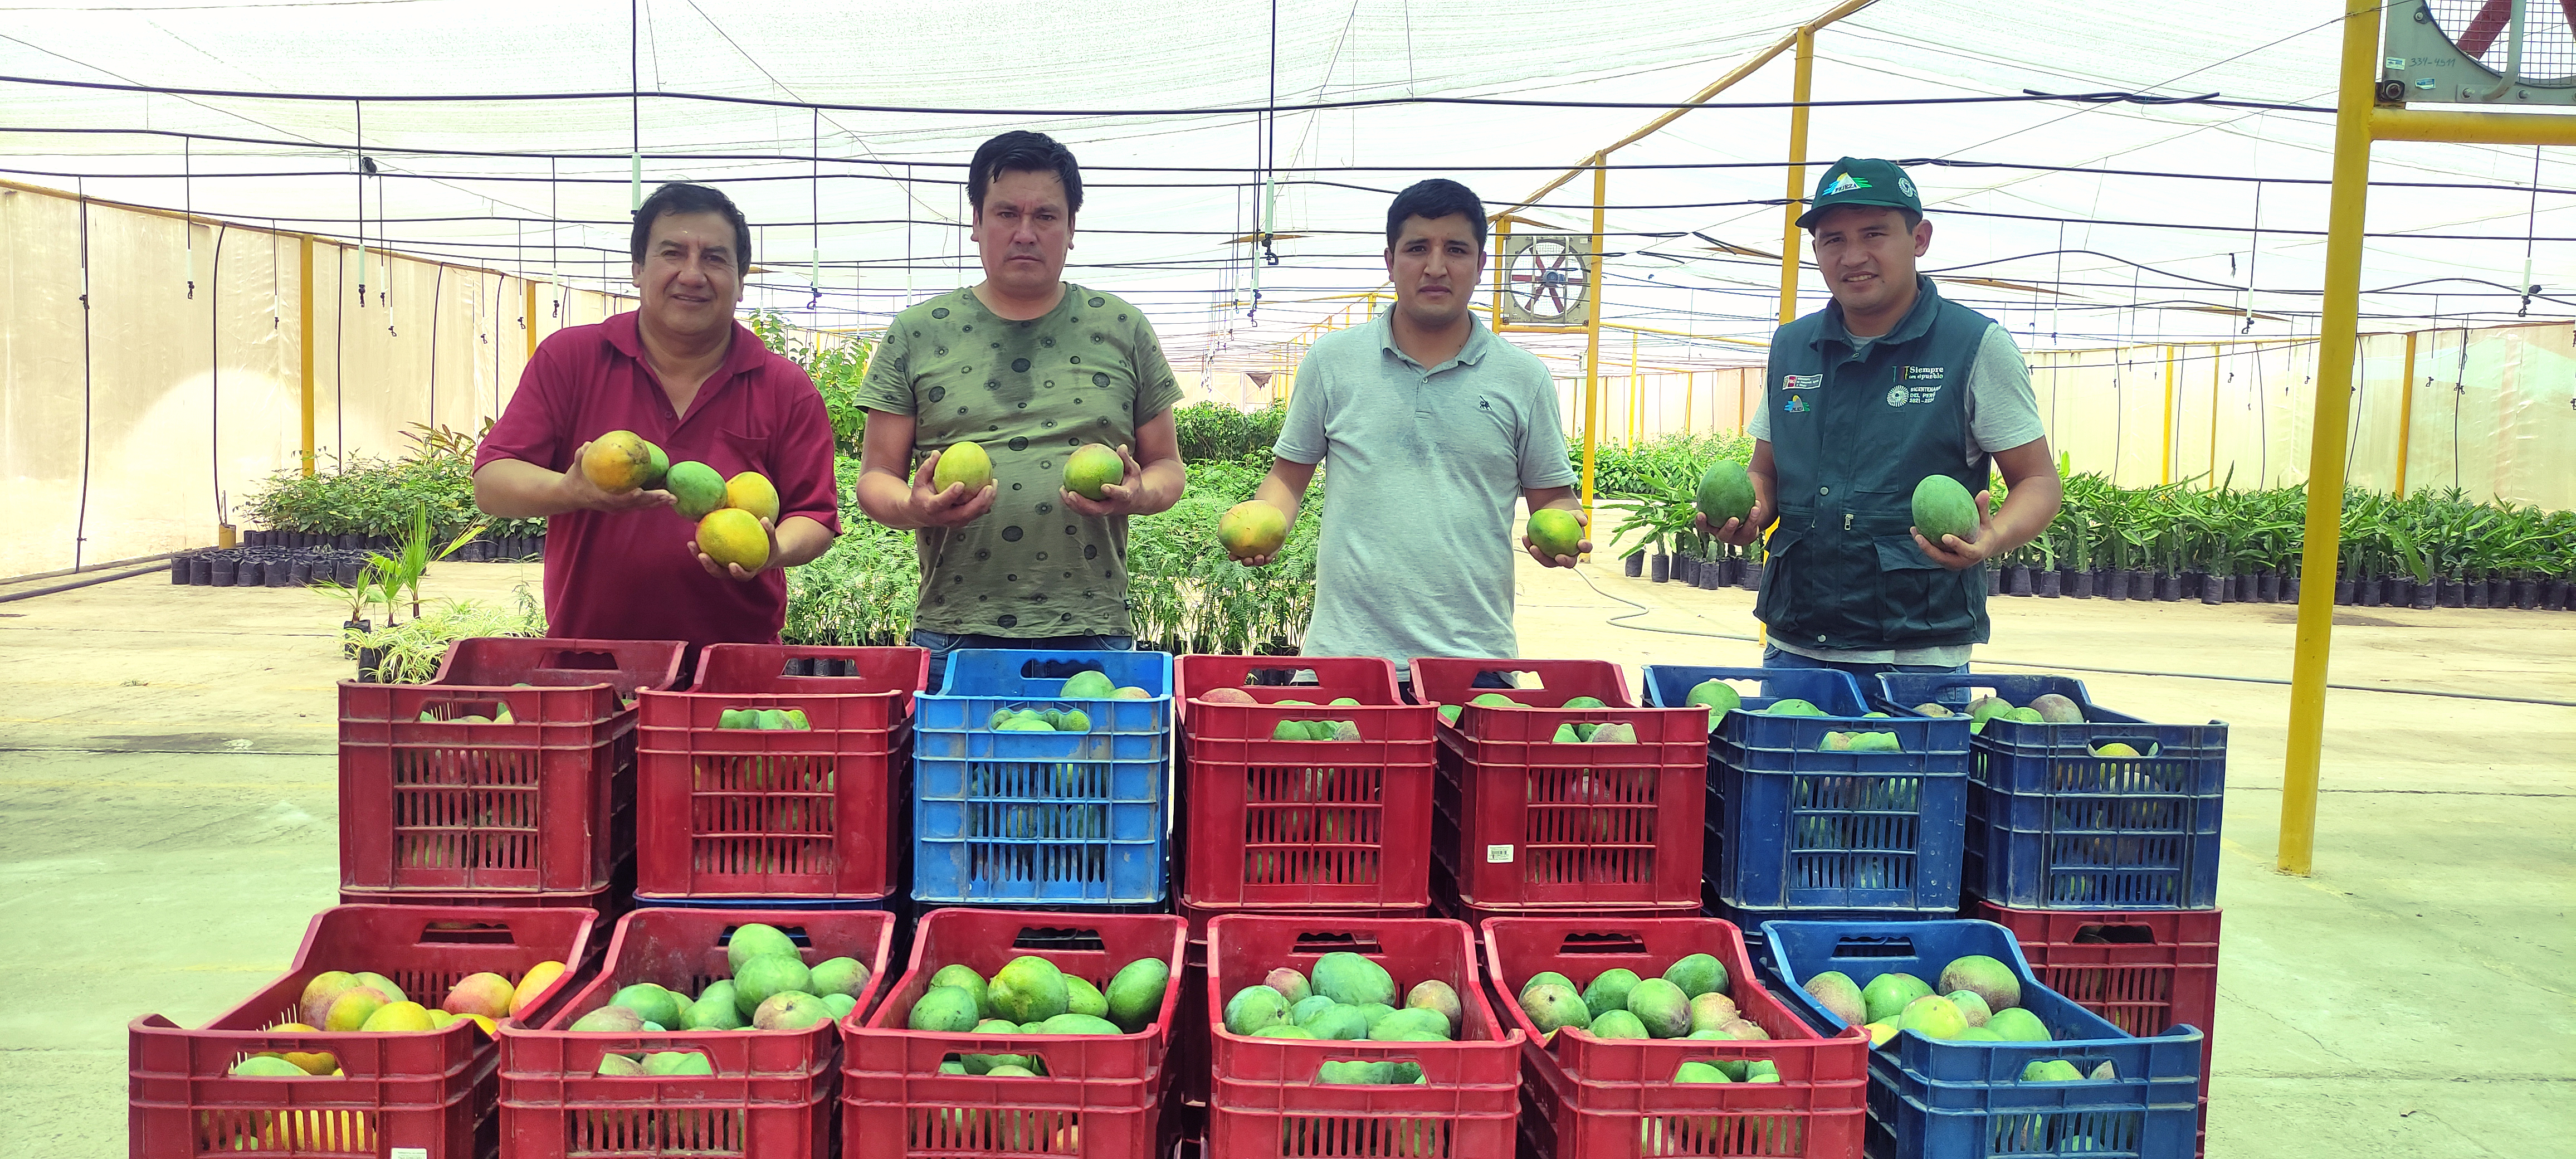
point(1434, 427)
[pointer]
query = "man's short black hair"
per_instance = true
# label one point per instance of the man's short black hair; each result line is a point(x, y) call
point(1432, 200)
point(682, 197)
point(1023, 151)
point(1912, 217)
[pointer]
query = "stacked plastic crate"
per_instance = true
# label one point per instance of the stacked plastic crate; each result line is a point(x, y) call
point(1537, 813)
point(2093, 837)
point(507, 779)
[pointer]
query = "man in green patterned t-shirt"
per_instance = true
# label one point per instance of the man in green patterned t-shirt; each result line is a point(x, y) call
point(1031, 368)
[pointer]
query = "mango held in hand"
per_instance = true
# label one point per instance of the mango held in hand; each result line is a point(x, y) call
point(750, 491)
point(695, 488)
point(1943, 507)
point(732, 535)
point(963, 462)
point(1252, 529)
point(1725, 492)
point(1555, 532)
point(621, 461)
point(1090, 471)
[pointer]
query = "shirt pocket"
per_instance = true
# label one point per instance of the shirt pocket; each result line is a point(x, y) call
point(1917, 594)
point(1473, 435)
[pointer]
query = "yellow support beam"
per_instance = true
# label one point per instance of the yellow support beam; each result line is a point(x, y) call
point(1751, 65)
point(2390, 124)
point(2165, 468)
point(304, 341)
point(2406, 413)
point(1799, 89)
point(2213, 424)
point(2338, 336)
point(531, 307)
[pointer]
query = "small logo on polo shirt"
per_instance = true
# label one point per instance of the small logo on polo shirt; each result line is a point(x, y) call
point(1801, 381)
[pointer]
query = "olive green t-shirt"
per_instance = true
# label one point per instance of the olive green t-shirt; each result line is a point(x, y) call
point(1089, 371)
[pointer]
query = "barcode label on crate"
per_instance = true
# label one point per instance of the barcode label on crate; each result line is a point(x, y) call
point(1498, 855)
point(410, 1153)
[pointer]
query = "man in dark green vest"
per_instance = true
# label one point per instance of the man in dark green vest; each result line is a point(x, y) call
point(1861, 401)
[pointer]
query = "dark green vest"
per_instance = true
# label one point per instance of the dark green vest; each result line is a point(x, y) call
point(1850, 437)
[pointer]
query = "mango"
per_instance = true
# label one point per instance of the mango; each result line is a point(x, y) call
point(1793, 706)
point(1699, 1072)
point(1932, 1016)
point(1091, 470)
point(1835, 991)
point(1972, 1006)
point(756, 980)
point(651, 1003)
point(1252, 529)
point(2017, 1025)
point(1135, 993)
point(396, 1018)
point(751, 494)
point(965, 463)
point(1544, 977)
point(733, 536)
point(2055, 1070)
point(1711, 1011)
point(620, 1066)
point(1089, 684)
point(1411, 1024)
point(1725, 492)
point(1943, 507)
point(1436, 996)
point(608, 1020)
point(1353, 980)
point(1617, 1024)
point(486, 994)
point(1698, 974)
point(1290, 984)
point(714, 1009)
point(1283, 1030)
point(677, 1062)
point(1081, 997)
point(1887, 995)
point(695, 488)
point(1335, 1020)
point(351, 1010)
point(840, 1005)
point(267, 1067)
point(1986, 977)
point(1028, 989)
point(943, 1009)
point(1556, 532)
point(2056, 709)
point(618, 462)
point(324, 989)
point(1661, 1008)
point(1609, 991)
point(792, 1010)
point(1253, 1008)
point(310, 1062)
point(1072, 1023)
point(382, 985)
point(752, 940)
point(832, 976)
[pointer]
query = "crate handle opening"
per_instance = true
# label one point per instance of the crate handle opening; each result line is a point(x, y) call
point(453, 710)
point(1885, 946)
point(1602, 943)
point(1519, 681)
point(1280, 677)
point(1058, 669)
point(581, 661)
point(794, 934)
point(1319, 943)
point(677, 1048)
point(826, 667)
point(467, 934)
point(1061, 938)
point(2116, 935)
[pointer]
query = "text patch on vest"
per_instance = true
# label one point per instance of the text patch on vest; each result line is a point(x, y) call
point(1916, 385)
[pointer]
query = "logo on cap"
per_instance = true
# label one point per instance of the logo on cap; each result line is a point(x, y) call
point(1844, 184)
point(1905, 185)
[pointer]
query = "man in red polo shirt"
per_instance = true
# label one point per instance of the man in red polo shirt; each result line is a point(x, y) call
point(684, 375)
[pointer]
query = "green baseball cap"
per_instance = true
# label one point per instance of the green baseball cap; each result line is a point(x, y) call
point(1862, 181)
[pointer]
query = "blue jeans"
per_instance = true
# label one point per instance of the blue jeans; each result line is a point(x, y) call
point(1773, 656)
point(941, 644)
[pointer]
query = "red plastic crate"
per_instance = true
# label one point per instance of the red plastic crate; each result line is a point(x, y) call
point(431, 1090)
point(1523, 822)
point(1265, 1103)
point(610, 902)
point(772, 1093)
point(1295, 826)
point(1102, 1096)
point(1594, 1098)
point(1199, 916)
point(445, 807)
point(2144, 971)
point(1445, 903)
point(777, 814)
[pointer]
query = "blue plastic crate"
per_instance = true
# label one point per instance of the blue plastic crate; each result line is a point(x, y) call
point(1037, 817)
point(1933, 1099)
point(2051, 825)
point(1792, 826)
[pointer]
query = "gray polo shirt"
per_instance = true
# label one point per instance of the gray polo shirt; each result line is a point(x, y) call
point(1424, 468)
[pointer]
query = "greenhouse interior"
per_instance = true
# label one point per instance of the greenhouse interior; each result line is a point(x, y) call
point(795, 804)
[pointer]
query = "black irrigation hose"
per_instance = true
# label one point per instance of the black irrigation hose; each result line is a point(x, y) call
point(161, 568)
point(1621, 621)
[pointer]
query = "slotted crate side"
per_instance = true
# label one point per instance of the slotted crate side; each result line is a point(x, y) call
point(1024, 674)
point(1264, 1100)
point(1295, 823)
point(771, 1093)
point(1836, 830)
point(2035, 758)
point(1935, 1099)
point(1540, 824)
point(938, 1116)
point(891, 676)
point(443, 804)
point(1595, 1098)
point(764, 813)
point(995, 826)
point(1834, 691)
point(432, 1090)
point(1447, 680)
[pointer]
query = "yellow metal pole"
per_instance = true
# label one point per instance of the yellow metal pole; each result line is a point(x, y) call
point(2165, 469)
point(2406, 414)
point(1799, 89)
point(1502, 235)
point(1592, 326)
point(531, 307)
point(304, 341)
point(2337, 337)
point(2471, 128)
point(1690, 398)
point(1636, 396)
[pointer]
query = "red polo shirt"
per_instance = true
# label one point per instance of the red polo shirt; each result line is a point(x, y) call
point(630, 576)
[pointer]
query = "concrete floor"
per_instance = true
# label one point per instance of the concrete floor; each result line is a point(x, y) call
point(167, 788)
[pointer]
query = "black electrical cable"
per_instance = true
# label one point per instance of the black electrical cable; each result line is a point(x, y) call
point(80, 522)
point(1645, 610)
point(632, 94)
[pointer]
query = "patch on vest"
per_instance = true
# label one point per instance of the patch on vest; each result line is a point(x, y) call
point(1915, 384)
point(1801, 381)
point(1797, 404)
